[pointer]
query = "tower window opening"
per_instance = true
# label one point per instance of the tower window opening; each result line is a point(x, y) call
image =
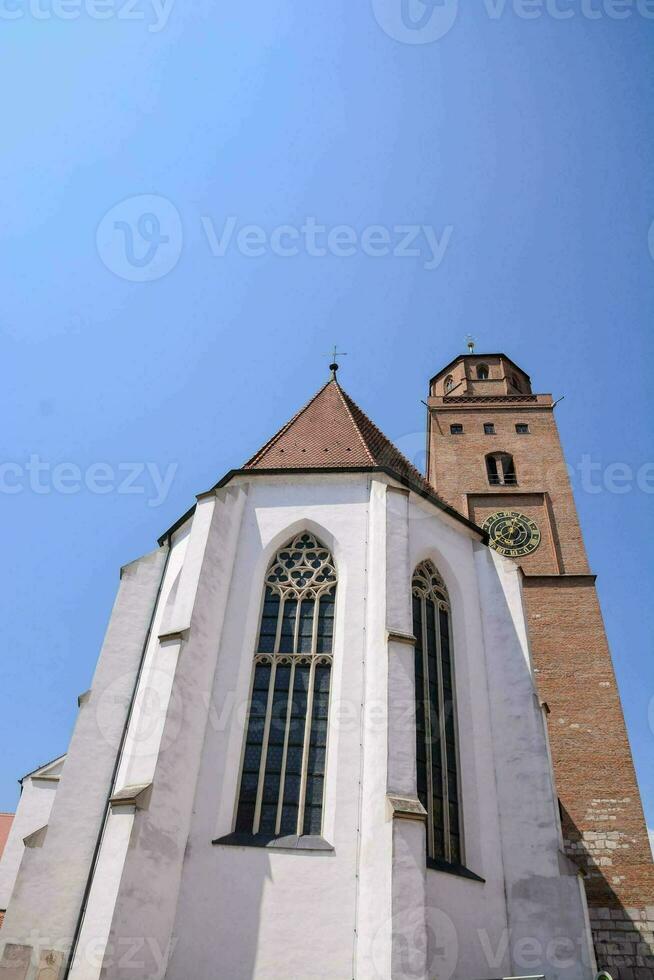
point(489, 428)
point(522, 428)
point(482, 372)
point(456, 429)
point(449, 384)
point(500, 469)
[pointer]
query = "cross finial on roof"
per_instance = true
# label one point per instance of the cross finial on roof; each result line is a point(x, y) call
point(336, 353)
point(470, 341)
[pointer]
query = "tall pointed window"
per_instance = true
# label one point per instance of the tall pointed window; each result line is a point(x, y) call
point(283, 777)
point(436, 728)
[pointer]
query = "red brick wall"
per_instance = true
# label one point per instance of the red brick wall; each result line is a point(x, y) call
point(602, 817)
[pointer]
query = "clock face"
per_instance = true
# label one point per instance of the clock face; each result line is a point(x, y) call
point(512, 534)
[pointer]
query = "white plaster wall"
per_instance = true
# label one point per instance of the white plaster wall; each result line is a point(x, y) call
point(546, 908)
point(32, 813)
point(155, 684)
point(137, 764)
point(374, 909)
point(249, 912)
point(48, 893)
point(147, 899)
point(92, 950)
point(237, 913)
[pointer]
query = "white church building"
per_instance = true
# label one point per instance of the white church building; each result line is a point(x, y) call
point(312, 748)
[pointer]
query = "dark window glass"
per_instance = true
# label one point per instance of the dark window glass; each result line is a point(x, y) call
point(456, 429)
point(274, 756)
point(305, 637)
point(317, 751)
point(326, 622)
point(254, 740)
point(287, 638)
point(294, 750)
point(489, 428)
point(269, 618)
point(421, 747)
point(522, 428)
point(436, 732)
point(283, 775)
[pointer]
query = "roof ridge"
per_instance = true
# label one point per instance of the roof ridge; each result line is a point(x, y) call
point(346, 401)
point(280, 432)
point(333, 413)
point(416, 472)
point(352, 404)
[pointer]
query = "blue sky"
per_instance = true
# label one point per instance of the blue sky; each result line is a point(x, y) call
point(151, 340)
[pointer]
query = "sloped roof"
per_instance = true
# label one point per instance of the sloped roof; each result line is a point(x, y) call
point(331, 431)
point(332, 434)
point(43, 769)
point(6, 820)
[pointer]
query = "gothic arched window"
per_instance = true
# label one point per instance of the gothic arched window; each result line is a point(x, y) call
point(283, 776)
point(449, 384)
point(482, 372)
point(436, 728)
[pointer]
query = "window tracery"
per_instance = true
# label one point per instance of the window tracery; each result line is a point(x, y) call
point(283, 773)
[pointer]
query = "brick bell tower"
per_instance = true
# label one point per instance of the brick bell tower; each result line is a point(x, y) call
point(494, 453)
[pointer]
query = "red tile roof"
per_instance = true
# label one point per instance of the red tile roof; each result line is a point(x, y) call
point(331, 431)
point(6, 820)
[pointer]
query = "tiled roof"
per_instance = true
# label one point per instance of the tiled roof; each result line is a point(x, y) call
point(331, 431)
point(6, 820)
